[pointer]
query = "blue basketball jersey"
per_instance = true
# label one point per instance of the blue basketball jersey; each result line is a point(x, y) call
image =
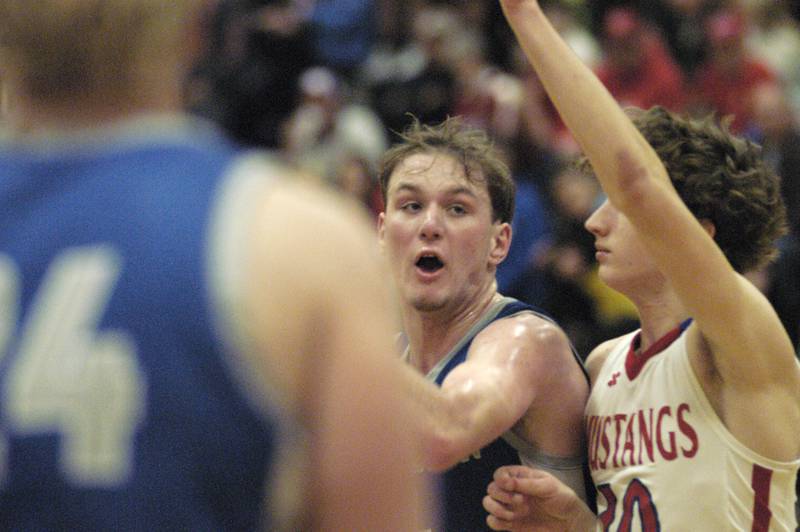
point(120, 403)
point(463, 486)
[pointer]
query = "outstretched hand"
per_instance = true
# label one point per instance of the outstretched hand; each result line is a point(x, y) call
point(524, 499)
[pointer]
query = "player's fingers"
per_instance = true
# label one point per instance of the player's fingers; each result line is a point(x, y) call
point(498, 493)
point(497, 509)
point(505, 477)
point(512, 471)
point(541, 486)
point(515, 504)
point(501, 474)
point(499, 524)
point(533, 488)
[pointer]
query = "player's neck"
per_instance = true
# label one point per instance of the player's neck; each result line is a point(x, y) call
point(81, 113)
point(657, 317)
point(432, 335)
point(154, 90)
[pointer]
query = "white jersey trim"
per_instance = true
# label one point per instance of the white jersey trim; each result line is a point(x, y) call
point(241, 193)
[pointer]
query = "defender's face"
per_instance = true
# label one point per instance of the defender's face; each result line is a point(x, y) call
point(438, 234)
point(623, 262)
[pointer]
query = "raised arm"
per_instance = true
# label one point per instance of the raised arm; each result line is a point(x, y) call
point(594, 118)
point(610, 140)
point(750, 350)
point(510, 365)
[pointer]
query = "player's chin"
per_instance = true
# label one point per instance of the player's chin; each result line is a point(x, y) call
point(428, 303)
point(611, 277)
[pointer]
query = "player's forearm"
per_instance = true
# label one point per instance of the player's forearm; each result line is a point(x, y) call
point(453, 423)
point(431, 414)
point(363, 419)
point(593, 116)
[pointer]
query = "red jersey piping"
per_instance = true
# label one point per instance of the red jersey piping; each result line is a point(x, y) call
point(634, 363)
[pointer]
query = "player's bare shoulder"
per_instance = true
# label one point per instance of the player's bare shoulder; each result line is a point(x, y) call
point(316, 237)
point(321, 214)
point(309, 265)
point(541, 357)
point(533, 341)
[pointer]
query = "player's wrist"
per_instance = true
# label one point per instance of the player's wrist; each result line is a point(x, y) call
point(584, 520)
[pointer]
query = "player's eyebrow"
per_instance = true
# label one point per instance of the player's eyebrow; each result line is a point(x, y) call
point(453, 191)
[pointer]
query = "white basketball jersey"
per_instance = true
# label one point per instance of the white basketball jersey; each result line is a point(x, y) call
point(663, 461)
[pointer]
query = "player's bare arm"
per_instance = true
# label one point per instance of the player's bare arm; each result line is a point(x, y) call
point(301, 316)
point(510, 365)
point(739, 349)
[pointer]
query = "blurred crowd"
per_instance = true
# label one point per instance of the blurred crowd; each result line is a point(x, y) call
point(344, 77)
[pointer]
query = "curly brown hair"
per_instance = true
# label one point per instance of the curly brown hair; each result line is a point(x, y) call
point(481, 160)
point(721, 178)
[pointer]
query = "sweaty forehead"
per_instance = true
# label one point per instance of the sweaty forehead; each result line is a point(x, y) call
point(436, 171)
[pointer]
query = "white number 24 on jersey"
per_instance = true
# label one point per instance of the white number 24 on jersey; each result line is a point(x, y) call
point(67, 377)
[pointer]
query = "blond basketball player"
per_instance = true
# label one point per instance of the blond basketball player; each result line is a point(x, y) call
point(180, 321)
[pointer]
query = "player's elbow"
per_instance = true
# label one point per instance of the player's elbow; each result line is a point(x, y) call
point(641, 181)
point(443, 452)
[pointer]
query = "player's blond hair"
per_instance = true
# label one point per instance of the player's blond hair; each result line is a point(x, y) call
point(472, 147)
point(57, 48)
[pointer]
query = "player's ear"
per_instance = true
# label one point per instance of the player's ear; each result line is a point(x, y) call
point(709, 226)
point(381, 229)
point(501, 242)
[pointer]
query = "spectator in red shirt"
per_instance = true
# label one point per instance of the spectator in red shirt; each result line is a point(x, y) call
point(731, 73)
point(637, 68)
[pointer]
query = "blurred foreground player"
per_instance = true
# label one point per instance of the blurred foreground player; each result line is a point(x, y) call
point(174, 332)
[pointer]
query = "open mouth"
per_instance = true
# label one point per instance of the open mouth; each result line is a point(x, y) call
point(429, 263)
